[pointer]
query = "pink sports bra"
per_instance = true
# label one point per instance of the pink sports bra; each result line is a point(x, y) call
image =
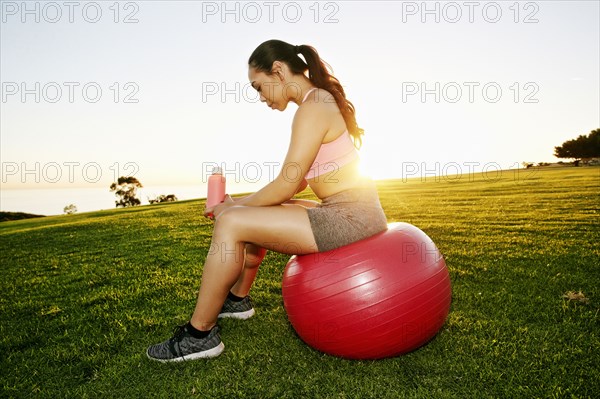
point(332, 155)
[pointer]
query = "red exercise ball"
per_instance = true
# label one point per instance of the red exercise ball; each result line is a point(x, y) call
point(379, 297)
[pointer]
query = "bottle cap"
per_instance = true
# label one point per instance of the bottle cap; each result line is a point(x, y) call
point(217, 170)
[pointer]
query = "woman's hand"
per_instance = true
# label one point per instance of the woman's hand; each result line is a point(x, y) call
point(215, 211)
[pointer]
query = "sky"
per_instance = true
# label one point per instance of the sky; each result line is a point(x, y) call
point(159, 90)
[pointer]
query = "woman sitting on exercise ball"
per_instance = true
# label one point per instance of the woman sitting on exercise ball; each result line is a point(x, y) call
point(323, 155)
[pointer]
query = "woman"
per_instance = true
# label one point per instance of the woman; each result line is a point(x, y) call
point(322, 154)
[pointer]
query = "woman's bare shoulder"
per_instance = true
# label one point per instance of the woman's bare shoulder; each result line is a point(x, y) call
point(320, 96)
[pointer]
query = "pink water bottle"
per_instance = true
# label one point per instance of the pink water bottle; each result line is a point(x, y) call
point(216, 188)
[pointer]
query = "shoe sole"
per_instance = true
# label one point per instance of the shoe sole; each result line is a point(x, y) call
point(213, 352)
point(237, 315)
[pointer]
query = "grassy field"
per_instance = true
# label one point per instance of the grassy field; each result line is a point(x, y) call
point(82, 296)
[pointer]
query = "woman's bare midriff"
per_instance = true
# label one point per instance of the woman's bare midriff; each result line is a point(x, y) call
point(339, 179)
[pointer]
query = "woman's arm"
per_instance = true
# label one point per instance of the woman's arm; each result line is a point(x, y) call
point(308, 129)
point(302, 186)
point(304, 202)
point(274, 193)
point(238, 198)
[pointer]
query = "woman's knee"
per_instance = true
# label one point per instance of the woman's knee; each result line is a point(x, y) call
point(226, 222)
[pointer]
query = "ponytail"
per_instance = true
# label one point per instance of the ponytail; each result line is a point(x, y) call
point(318, 72)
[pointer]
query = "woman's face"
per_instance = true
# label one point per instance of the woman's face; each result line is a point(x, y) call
point(269, 87)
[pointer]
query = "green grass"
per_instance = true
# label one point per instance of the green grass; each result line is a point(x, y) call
point(82, 296)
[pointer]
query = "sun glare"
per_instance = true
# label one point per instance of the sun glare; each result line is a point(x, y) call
point(369, 169)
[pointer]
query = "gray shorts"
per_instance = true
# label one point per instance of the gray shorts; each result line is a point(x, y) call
point(347, 217)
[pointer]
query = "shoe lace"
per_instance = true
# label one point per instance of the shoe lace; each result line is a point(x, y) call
point(178, 333)
point(176, 339)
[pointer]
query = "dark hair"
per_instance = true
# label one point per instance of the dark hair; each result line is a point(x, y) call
point(318, 72)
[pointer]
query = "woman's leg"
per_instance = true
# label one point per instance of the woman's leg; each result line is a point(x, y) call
point(281, 228)
point(254, 256)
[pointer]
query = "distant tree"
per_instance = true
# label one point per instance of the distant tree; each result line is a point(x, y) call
point(70, 209)
point(126, 189)
point(580, 148)
point(162, 198)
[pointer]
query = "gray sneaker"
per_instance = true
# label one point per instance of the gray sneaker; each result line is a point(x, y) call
point(182, 346)
point(237, 310)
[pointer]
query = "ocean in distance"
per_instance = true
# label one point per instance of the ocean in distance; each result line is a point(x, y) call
point(52, 201)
